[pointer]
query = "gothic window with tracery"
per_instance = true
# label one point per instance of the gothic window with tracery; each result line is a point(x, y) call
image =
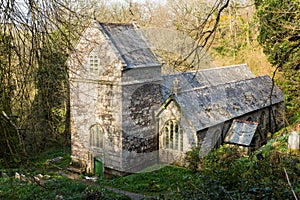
point(173, 137)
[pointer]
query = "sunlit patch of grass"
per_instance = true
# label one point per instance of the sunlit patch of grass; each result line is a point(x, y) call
point(164, 179)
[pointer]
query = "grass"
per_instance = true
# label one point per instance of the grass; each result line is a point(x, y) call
point(52, 186)
point(164, 180)
point(223, 174)
point(17, 189)
point(56, 186)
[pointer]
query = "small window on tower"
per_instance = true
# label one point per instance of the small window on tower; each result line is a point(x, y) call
point(94, 63)
point(96, 136)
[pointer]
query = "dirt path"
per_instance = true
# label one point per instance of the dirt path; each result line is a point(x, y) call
point(134, 196)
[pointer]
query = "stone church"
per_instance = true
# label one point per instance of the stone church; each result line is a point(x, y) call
point(126, 115)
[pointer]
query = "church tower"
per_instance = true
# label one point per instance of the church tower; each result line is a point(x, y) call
point(114, 91)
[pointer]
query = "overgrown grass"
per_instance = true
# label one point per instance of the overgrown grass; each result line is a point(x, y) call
point(17, 189)
point(163, 180)
point(12, 188)
point(53, 185)
point(224, 174)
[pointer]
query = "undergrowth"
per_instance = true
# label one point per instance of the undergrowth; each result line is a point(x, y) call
point(50, 185)
point(272, 172)
point(55, 188)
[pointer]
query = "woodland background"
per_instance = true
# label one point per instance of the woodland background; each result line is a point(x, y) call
point(36, 38)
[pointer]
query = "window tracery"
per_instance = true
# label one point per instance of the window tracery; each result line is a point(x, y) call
point(173, 136)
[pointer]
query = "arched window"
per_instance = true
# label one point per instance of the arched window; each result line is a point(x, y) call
point(94, 63)
point(97, 136)
point(173, 137)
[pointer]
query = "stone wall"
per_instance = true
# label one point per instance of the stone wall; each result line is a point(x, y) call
point(172, 112)
point(96, 100)
point(140, 99)
point(96, 104)
point(212, 137)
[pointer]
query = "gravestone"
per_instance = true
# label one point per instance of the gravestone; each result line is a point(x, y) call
point(293, 141)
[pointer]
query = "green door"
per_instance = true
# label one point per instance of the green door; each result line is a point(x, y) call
point(98, 166)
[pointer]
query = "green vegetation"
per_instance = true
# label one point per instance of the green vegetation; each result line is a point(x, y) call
point(279, 35)
point(272, 172)
point(266, 36)
point(53, 188)
point(223, 174)
point(34, 103)
point(50, 185)
point(165, 180)
point(16, 189)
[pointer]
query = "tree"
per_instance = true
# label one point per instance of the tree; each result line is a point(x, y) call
point(50, 105)
point(197, 22)
point(279, 34)
point(35, 37)
point(9, 132)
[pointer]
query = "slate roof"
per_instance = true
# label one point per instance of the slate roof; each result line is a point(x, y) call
point(223, 94)
point(206, 77)
point(131, 44)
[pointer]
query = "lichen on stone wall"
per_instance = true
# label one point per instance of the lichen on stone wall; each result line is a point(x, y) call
point(141, 103)
point(138, 144)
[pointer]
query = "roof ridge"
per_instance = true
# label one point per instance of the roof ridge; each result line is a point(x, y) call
point(116, 23)
point(207, 69)
point(214, 86)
